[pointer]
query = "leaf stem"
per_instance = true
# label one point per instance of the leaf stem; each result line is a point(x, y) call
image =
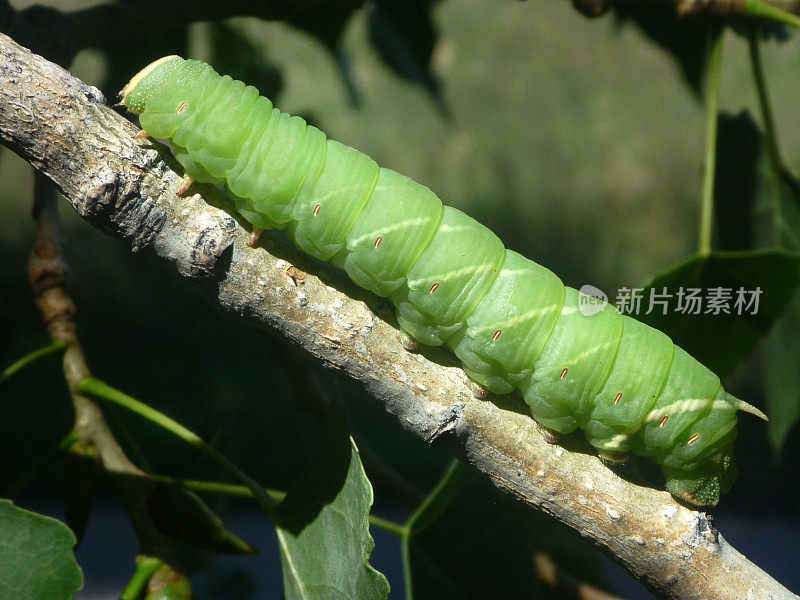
point(146, 566)
point(213, 487)
point(398, 529)
point(241, 491)
point(707, 203)
point(760, 8)
point(95, 387)
point(457, 477)
point(405, 556)
point(23, 362)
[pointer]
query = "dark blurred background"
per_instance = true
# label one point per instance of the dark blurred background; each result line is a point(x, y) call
point(579, 142)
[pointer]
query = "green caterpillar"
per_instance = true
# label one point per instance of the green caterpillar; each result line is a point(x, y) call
point(511, 322)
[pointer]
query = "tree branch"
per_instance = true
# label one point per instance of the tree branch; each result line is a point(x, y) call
point(124, 187)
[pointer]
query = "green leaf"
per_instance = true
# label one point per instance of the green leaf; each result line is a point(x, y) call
point(322, 524)
point(721, 340)
point(36, 560)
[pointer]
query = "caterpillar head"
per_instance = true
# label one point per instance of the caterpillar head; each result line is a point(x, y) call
point(142, 86)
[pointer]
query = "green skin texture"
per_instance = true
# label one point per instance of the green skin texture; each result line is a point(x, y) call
point(511, 322)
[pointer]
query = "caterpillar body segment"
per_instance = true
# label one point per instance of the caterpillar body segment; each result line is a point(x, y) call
point(449, 279)
point(275, 164)
point(636, 378)
point(391, 232)
point(573, 365)
point(510, 325)
point(212, 134)
point(511, 322)
point(332, 201)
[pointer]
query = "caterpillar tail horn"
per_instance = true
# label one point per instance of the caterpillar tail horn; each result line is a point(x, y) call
point(749, 408)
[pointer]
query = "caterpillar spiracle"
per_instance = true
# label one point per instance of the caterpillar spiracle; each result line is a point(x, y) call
point(512, 323)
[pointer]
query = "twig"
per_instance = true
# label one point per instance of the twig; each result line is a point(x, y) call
point(47, 274)
point(123, 187)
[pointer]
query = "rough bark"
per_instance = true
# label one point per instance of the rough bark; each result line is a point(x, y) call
point(124, 187)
